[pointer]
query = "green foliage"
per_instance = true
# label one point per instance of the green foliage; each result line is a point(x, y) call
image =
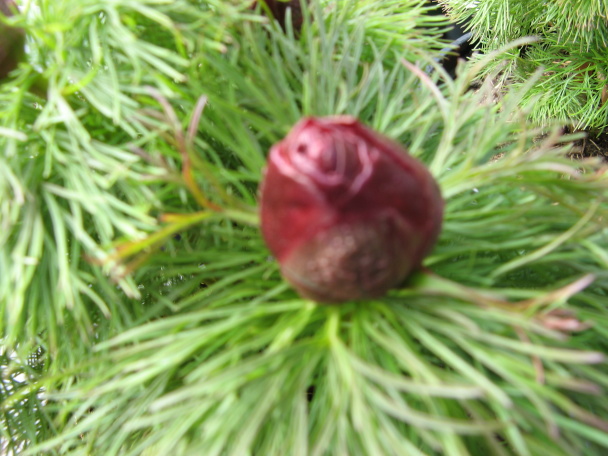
point(141, 313)
point(570, 52)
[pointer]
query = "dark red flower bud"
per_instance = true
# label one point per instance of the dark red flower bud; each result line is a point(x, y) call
point(11, 41)
point(347, 212)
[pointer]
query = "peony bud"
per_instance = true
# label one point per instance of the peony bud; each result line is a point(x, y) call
point(11, 41)
point(347, 212)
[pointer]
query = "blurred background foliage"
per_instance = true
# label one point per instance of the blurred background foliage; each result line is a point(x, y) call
point(570, 52)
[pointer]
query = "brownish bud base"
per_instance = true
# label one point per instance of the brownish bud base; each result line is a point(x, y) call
point(350, 262)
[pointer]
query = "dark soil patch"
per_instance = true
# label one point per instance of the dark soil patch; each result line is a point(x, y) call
point(593, 145)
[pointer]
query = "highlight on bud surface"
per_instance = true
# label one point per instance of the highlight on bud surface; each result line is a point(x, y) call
point(347, 212)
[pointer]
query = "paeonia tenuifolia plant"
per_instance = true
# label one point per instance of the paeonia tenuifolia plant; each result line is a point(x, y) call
point(347, 212)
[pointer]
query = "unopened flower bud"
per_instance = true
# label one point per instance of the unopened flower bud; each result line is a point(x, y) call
point(347, 212)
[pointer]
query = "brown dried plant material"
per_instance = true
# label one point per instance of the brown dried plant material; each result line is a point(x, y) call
point(12, 40)
point(279, 11)
point(563, 320)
